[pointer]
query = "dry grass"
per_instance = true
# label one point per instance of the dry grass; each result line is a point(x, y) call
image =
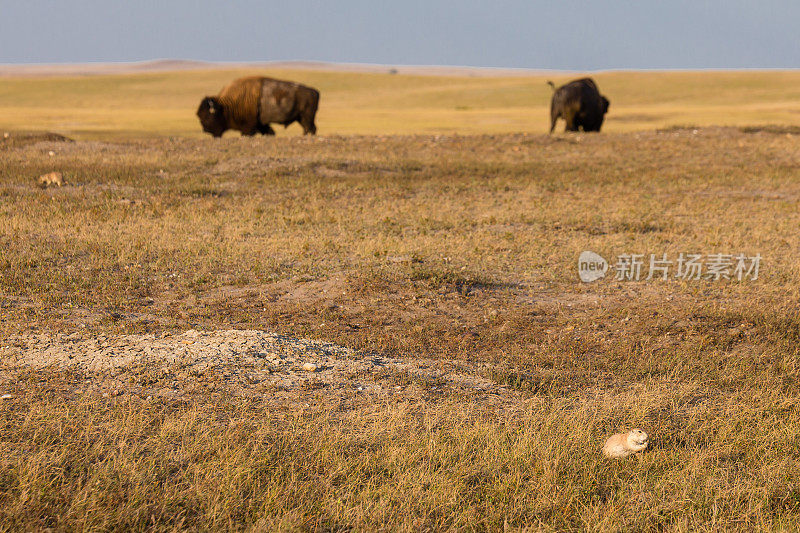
point(453, 247)
point(163, 103)
point(94, 464)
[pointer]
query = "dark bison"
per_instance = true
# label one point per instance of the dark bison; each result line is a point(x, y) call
point(580, 104)
point(250, 104)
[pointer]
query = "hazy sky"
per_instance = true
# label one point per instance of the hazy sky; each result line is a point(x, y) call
point(552, 34)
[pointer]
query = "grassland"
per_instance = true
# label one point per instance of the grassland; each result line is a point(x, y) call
point(454, 247)
point(163, 103)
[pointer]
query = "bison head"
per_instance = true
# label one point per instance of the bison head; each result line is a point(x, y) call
point(212, 116)
point(605, 103)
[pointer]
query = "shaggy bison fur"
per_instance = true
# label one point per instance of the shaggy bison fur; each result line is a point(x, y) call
point(249, 105)
point(580, 104)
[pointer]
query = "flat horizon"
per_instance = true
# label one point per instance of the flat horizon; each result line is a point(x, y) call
point(168, 63)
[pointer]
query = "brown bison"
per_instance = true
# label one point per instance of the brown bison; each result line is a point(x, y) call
point(580, 104)
point(250, 104)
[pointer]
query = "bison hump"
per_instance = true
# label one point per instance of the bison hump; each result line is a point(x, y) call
point(278, 100)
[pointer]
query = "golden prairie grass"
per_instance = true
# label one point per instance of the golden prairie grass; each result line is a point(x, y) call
point(96, 464)
point(456, 247)
point(164, 103)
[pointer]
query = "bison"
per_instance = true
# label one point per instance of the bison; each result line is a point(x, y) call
point(249, 105)
point(580, 104)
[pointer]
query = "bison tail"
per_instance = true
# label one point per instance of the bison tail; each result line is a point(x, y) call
point(551, 84)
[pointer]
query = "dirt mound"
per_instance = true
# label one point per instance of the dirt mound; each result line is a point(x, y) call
point(771, 128)
point(244, 362)
point(18, 139)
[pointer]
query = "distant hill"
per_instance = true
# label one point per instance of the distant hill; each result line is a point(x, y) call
point(161, 65)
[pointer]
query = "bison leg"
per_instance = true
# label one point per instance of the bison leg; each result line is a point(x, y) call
point(593, 125)
point(570, 117)
point(265, 129)
point(553, 118)
point(308, 126)
point(586, 123)
point(249, 131)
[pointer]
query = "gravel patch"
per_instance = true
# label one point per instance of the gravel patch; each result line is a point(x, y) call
point(247, 361)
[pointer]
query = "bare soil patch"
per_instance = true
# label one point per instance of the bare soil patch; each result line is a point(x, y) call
point(18, 139)
point(267, 366)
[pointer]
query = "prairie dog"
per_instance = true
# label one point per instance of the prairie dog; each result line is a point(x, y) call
point(625, 444)
point(55, 179)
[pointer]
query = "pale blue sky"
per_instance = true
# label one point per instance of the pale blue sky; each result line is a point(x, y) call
point(551, 34)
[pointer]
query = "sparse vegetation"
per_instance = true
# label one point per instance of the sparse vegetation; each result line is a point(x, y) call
point(457, 248)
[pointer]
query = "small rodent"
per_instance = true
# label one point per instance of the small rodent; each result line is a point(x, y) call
point(54, 179)
point(625, 444)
